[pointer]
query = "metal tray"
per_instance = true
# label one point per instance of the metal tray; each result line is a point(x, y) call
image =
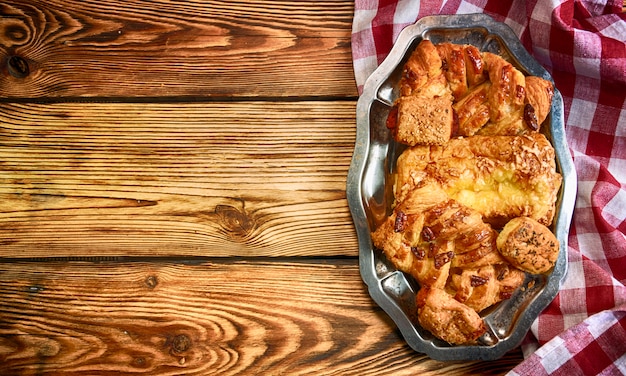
point(370, 194)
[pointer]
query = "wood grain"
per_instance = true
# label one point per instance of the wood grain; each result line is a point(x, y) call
point(199, 151)
point(199, 179)
point(226, 318)
point(161, 48)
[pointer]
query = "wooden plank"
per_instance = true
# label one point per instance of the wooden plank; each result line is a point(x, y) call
point(195, 179)
point(209, 318)
point(163, 48)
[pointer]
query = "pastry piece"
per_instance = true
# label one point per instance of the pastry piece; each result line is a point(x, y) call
point(476, 247)
point(517, 104)
point(451, 89)
point(472, 238)
point(449, 219)
point(483, 287)
point(539, 94)
point(453, 66)
point(502, 177)
point(448, 319)
point(474, 66)
point(423, 112)
point(424, 120)
point(430, 236)
point(507, 95)
point(462, 66)
point(422, 69)
point(428, 233)
point(400, 238)
point(472, 110)
point(528, 245)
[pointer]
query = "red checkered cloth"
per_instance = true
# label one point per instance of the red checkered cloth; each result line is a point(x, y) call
point(582, 43)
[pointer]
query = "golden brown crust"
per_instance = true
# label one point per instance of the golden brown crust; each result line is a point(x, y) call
point(483, 287)
point(472, 110)
point(539, 94)
point(502, 177)
point(452, 254)
point(422, 198)
point(448, 319)
point(400, 238)
point(506, 98)
point(450, 89)
point(424, 120)
point(428, 231)
point(453, 66)
point(446, 246)
point(528, 245)
point(450, 191)
point(423, 113)
point(474, 66)
point(423, 66)
point(476, 248)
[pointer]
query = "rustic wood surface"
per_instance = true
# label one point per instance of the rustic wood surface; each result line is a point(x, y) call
point(172, 193)
point(240, 317)
point(171, 179)
point(76, 48)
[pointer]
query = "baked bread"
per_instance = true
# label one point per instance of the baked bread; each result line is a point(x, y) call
point(462, 65)
point(428, 234)
point(424, 120)
point(539, 94)
point(449, 89)
point(422, 71)
point(428, 231)
point(506, 98)
point(400, 237)
point(528, 245)
point(423, 113)
point(453, 256)
point(475, 162)
point(471, 238)
point(483, 287)
point(447, 318)
point(502, 177)
point(452, 253)
point(472, 110)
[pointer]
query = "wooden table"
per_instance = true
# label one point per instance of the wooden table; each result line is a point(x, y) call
point(172, 193)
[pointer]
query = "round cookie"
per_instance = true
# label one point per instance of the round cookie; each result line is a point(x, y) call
point(528, 245)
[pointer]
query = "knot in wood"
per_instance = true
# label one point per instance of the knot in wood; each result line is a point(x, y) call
point(181, 343)
point(47, 347)
point(48, 350)
point(18, 67)
point(140, 362)
point(151, 282)
point(234, 220)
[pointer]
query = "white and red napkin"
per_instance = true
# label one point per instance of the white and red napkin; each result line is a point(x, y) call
point(582, 43)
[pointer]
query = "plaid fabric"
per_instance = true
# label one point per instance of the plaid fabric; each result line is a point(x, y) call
point(582, 43)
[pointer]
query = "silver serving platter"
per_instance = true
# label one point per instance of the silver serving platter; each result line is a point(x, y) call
point(370, 194)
